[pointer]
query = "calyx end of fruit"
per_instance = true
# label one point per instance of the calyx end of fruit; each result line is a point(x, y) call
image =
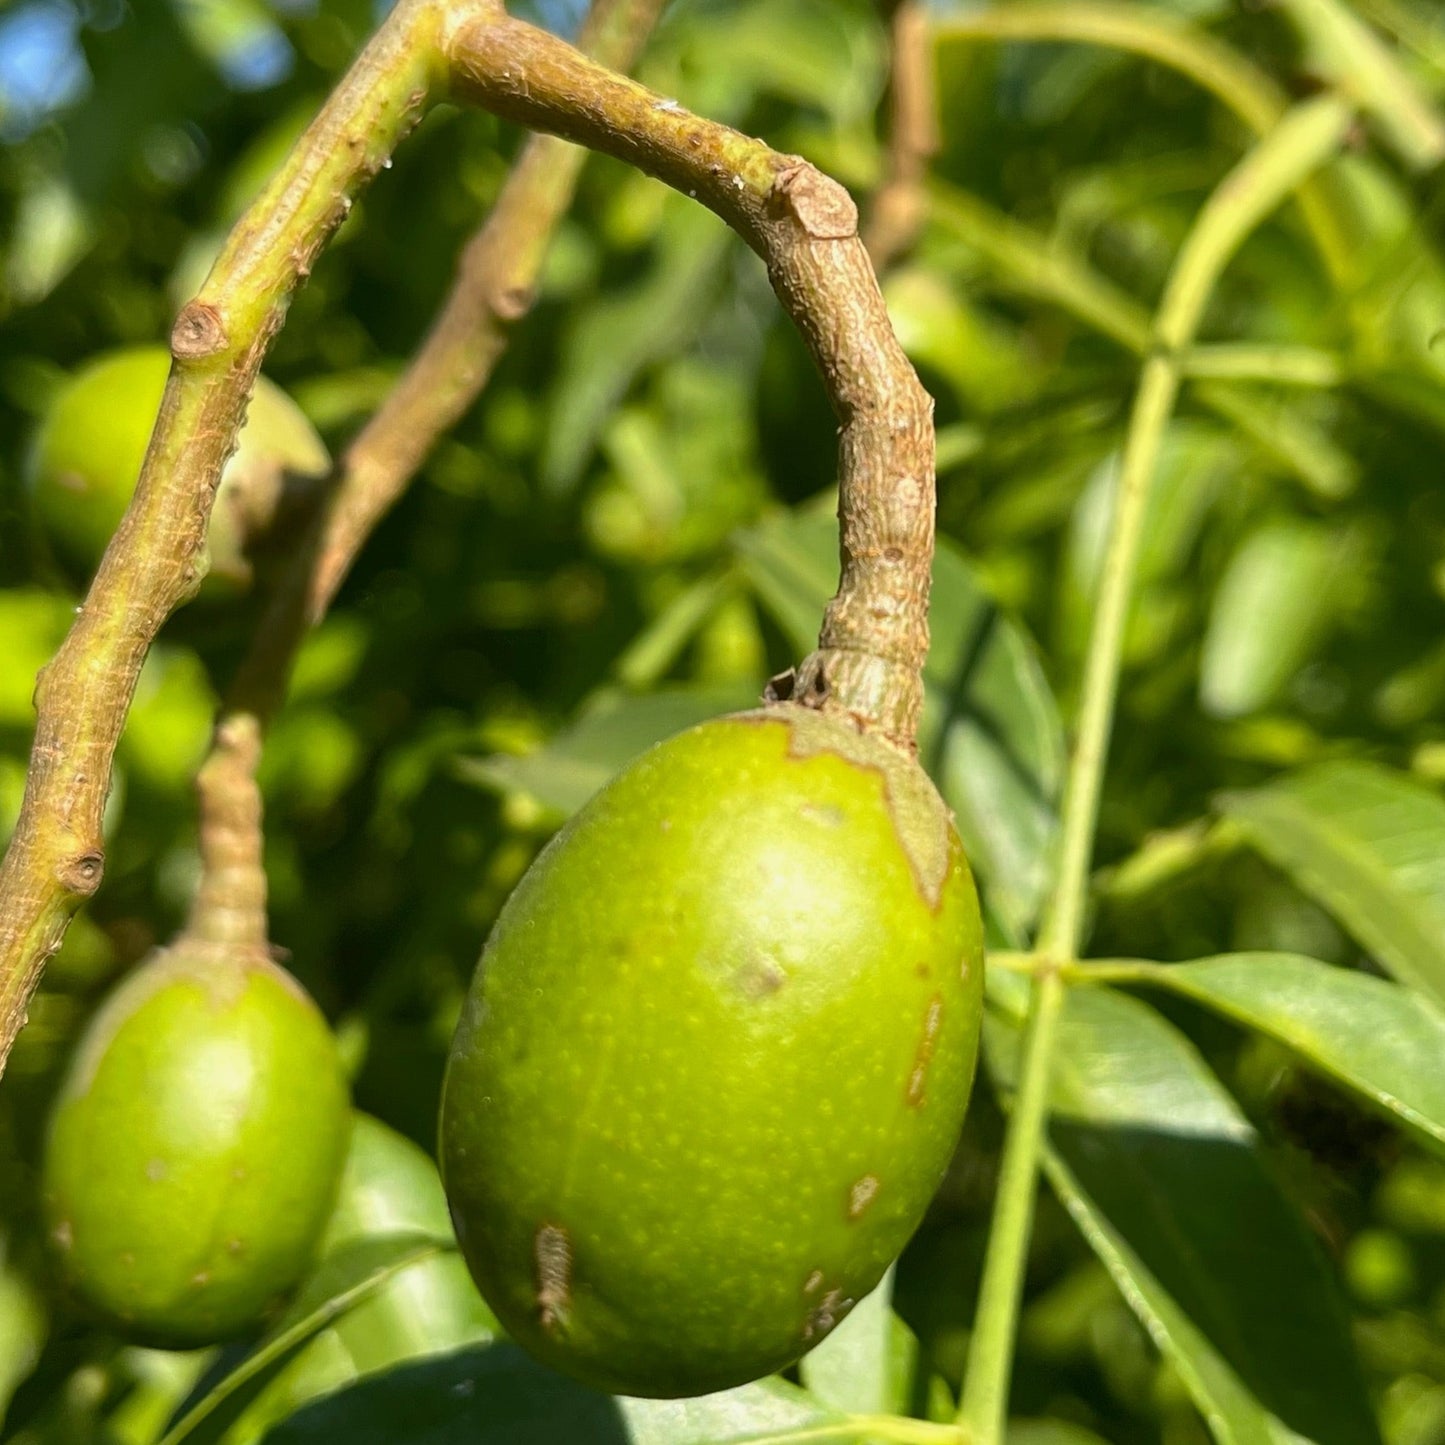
point(920, 817)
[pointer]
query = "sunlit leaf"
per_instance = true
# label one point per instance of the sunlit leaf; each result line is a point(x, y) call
point(613, 731)
point(1377, 1039)
point(1160, 1169)
point(1369, 846)
point(1281, 592)
point(351, 1276)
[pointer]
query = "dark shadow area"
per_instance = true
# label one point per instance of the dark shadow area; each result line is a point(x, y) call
point(1207, 1220)
point(484, 1395)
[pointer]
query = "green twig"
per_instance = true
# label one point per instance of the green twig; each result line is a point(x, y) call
point(1302, 141)
point(154, 561)
point(1165, 38)
point(1361, 67)
point(1027, 261)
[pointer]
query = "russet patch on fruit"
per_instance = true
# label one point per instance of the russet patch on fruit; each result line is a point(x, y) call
point(195, 1148)
point(716, 1055)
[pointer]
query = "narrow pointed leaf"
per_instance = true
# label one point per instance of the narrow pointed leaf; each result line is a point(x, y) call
point(1167, 1181)
point(496, 1395)
point(1368, 845)
point(1380, 1041)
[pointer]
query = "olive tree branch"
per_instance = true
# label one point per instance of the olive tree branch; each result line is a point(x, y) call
point(154, 561)
point(493, 289)
point(875, 632)
point(900, 205)
point(1303, 141)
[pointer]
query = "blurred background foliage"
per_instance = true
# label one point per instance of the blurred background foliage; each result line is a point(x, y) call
point(632, 530)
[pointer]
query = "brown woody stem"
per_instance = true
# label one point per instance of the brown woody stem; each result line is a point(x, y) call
point(805, 226)
point(229, 909)
point(154, 561)
point(900, 206)
point(494, 286)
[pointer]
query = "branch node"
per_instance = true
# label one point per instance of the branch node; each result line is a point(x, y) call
point(821, 205)
point(81, 874)
point(199, 332)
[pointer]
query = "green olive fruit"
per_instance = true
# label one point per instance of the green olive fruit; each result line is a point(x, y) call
point(716, 1055)
point(88, 453)
point(195, 1147)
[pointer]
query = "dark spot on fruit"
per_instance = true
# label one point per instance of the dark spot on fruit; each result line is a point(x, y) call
point(918, 1079)
point(861, 1195)
point(552, 1253)
point(920, 970)
point(829, 1311)
point(760, 977)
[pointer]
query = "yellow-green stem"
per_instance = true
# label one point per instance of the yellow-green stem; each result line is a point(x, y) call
point(1302, 141)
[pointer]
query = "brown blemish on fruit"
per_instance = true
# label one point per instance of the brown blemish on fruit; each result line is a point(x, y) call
point(918, 1079)
point(830, 1310)
point(63, 1234)
point(760, 978)
point(861, 1195)
point(921, 821)
point(920, 970)
point(552, 1253)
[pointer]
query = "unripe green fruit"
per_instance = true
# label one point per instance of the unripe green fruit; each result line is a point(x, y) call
point(88, 454)
point(716, 1055)
point(195, 1147)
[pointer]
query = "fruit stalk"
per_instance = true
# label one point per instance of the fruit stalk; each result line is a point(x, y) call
point(154, 562)
point(900, 205)
point(874, 638)
point(1304, 140)
point(229, 909)
point(493, 289)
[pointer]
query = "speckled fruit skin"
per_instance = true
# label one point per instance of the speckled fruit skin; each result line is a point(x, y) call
point(716, 1055)
point(195, 1148)
point(88, 453)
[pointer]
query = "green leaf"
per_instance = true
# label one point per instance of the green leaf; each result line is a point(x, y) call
point(991, 735)
point(1279, 596)
point(1368, 845)
point(610, 732)
point(1377, 1039)
point(349, 1277)
point(616, 337)
point(1161, 1172)
point(496, 1395)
